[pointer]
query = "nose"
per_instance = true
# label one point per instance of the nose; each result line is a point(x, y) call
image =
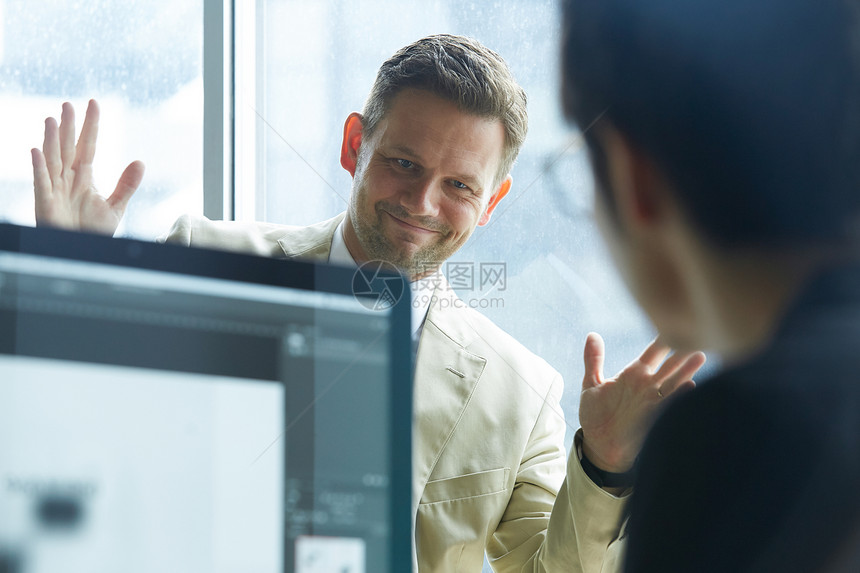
point(422, 198)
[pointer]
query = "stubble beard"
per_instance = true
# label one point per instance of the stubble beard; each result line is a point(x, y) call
point(371, 236)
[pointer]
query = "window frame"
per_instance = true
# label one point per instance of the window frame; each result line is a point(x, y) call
point(218, 129)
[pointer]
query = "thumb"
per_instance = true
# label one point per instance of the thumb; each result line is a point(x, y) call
point(593, 357)
point(128, 183)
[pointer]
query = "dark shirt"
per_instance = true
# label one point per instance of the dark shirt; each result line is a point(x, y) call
point(758, 469)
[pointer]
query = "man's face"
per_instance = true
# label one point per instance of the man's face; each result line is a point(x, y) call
point(422, 183)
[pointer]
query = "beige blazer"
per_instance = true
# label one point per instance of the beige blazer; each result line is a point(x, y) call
point(488, 456)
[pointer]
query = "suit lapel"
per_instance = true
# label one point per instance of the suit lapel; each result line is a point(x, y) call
point(446, 375)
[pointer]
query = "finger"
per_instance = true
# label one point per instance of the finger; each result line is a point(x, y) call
point(689, 368)
point(86, 149)
point(67, 135)
point(672, 364)
point(677, 389)
point(654, 354)
point(41, 181)
point(128, 183)
point(593, 356)
point(683, 375)
point(51, 149)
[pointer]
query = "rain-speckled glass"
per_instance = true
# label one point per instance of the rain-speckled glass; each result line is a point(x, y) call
point(143, 62)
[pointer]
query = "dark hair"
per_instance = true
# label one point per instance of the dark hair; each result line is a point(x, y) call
point(461, 70)
point(750, 107)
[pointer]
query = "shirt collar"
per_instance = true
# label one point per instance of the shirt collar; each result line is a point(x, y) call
point(339, 254)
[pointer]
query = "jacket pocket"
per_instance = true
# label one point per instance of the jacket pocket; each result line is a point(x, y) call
point(466, 486)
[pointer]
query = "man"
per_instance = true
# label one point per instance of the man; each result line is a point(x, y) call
point(430, 158)
point(728, 159)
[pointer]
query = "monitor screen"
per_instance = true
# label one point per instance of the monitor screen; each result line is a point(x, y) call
point(172, 409)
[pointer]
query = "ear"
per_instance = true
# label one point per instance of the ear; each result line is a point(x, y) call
point(494, 200)
point(353, 129)
point(637, 186)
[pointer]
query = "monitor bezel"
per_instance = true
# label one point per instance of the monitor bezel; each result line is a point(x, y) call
point(246, 268)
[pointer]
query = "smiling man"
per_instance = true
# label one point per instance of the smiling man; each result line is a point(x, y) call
point(430, 158)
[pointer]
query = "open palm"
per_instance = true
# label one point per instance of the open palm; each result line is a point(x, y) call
point(616, 413)
point(63, 178)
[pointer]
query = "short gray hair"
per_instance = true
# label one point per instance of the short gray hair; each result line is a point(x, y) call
point(460, 70)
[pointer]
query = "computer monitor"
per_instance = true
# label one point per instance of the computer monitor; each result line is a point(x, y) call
point(164, 408)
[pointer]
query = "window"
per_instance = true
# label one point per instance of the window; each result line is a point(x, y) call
point(143, 62)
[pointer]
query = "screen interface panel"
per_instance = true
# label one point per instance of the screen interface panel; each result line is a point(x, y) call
point(155, 421)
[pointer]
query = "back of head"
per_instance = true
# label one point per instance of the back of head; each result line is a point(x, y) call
point(750, 108)
point(460, 70)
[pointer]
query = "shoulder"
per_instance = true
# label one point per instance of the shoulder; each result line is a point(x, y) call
point(799, 388)
point(265, 239)
point(765, 449)
point(742, 420)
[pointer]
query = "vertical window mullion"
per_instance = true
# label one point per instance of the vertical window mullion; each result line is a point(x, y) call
point(250, 112)
point(217, 109)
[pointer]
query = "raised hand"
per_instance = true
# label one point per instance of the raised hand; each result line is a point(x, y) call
point(63, 178)
point(616, 413)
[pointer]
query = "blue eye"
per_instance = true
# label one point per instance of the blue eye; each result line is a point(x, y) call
point(405, 163)
point(459, 184)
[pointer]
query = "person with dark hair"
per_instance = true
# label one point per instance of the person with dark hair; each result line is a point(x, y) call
point(430, 159)
point(726, 153)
